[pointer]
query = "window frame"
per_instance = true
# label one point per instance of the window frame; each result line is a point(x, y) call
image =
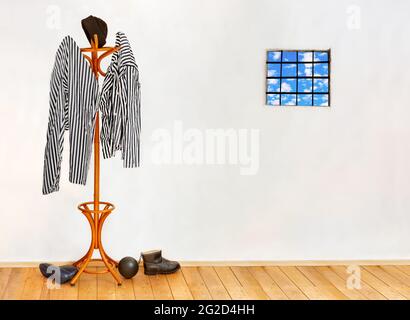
point(297, 77)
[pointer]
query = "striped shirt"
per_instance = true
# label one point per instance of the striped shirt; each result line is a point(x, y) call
point(120, 106)
point(74, 102)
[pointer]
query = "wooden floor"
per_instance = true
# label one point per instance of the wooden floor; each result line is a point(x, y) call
point(271, 282)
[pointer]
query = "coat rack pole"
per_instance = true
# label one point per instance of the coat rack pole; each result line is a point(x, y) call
point(96, 216)
point(94, 57)
point(97, 168)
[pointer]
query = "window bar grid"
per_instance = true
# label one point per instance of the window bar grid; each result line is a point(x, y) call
point(312, 77)
point(328, 75)
point(267, 77)
point(297, 74)
point(280, 82)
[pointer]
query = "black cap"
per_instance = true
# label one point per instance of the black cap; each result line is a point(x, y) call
point(93, 25)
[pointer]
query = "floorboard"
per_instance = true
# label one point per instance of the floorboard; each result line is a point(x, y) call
point(196, 284)
point(231, 283)
point(142, 286)
point(214, 284)
point(273, 291)
point(287, 286)
point(219, 283)
point(179, 287)
point(160, 287)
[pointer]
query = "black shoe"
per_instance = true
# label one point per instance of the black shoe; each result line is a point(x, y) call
point(66, 272)
point(154, 263)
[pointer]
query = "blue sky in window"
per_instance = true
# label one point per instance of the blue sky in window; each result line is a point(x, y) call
point(305, 56)
point(305, 85)
point(288, 99)
point(273, 85)
point(321, 69)
point(273, 56)
point(305, 69)
point(272, 99)
point(321, 56)
point(320, 100)
point(289, 56)
point(274, 70)
point(288, 85)
point(304, 99)
point(288, 70)
point(320, 85)
point(312, 64)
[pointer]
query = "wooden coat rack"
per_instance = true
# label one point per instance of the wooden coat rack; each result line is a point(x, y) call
point(96, 216)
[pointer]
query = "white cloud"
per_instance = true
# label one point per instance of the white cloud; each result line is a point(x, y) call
point(286, 87)
point(306, 56)
point(273, 100)
point(271, 73)
point(307, 69)
point(320, 84)
point(276, 55)
point(290, 102)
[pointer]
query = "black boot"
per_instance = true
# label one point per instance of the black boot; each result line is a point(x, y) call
point(66, 272)
point(154, 263)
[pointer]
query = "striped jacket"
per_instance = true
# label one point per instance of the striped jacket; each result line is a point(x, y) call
point(120, 106)
point(74, 102)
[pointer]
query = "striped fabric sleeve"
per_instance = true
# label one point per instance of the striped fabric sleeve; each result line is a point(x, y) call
point(132, 123)
point(120, 105)
point(73, 107)
point(107, 114)
point(57, 121)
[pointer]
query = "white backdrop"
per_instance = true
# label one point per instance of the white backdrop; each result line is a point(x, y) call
point(333, 183)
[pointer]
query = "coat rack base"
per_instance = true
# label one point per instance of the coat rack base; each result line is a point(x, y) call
point(96, 218)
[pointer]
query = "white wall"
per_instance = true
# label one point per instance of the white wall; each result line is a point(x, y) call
point(333, 183)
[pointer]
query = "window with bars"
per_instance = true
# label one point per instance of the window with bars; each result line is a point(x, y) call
point(298, 78)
